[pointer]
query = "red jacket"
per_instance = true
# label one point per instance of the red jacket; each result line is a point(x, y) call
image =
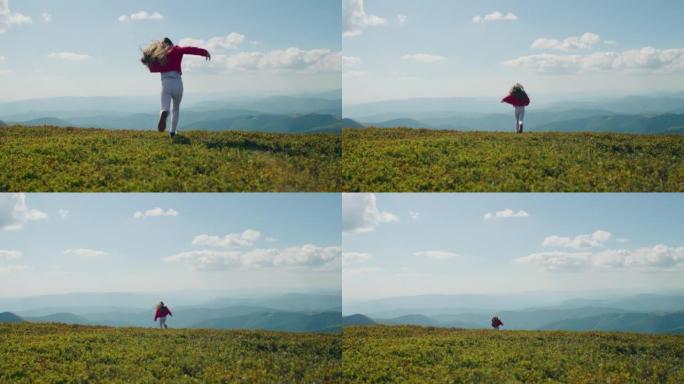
point(174, 58)
point(162, 312)
point(514, 101)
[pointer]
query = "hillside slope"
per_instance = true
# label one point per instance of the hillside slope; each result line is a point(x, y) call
point(412, 160)
point(9, 318)
point(71, 159)
point(61, 353)
point(388, 354)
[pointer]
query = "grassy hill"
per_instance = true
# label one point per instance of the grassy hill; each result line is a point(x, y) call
point(388, 354)
point(72, 159)
point(403, 160)
point(32, 353)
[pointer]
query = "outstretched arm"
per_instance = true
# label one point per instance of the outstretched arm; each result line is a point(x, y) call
point(195, 51)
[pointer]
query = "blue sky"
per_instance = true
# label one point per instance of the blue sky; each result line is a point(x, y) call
point(107, 48)
point(479, 48)
point(57, 243)
point(407, 244)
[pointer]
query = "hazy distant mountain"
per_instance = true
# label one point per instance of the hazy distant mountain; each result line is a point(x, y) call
point(53, 121)
point(281, 321)
point(357, 319)
point(9, 317)
point(312, 123)
point(2, 123)
point(290, 302)
point(64, 317)
point(411, 320)
point(661, 124)
point(625, 322)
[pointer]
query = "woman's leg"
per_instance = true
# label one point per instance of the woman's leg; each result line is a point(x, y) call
point(177, 97)
point(521, 120)
point(517, 120)
point(165, 106)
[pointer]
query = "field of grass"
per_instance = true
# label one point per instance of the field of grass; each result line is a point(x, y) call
point(409, 354)
point(40, 159)
point(52, 353)
point(405, 160)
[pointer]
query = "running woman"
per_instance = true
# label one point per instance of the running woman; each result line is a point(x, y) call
point(164, 57)
point(517, 97)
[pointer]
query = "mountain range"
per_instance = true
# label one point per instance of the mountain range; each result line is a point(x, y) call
point(283, 114)
point(630, 114)
point(291, 312)
point(645, 313)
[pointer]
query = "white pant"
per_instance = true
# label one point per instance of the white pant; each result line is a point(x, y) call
point(162, 322)
point(172, 90)
point(519, 117)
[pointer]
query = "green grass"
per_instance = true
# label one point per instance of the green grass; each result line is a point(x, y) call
point(37, 159)
point(407, 354)
point(52, 353)
point(412, 160)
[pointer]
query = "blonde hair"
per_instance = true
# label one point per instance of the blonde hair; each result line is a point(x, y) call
point(155, 53)
point(518, 91)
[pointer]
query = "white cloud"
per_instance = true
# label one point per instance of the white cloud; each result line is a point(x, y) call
point(13, 268)
point(506, 214)
point(14, 213)
point(572, 43)
point(84, 252)
point(141, 16)
point(656, 258)
point(46, 17)
point(305, 256)
point(424, 58)
point(155, 212)
point(350, 61)
point(353, 258)
point(244, 239)
point(232, 41)
point(63, 213)
point(284, 60)
point(414, 215)
point(402, 19)
point(355, 19)
point(9, 18)
point(360, 213)
point(436, 255)
point(644, 59)
point(69, 56)
point(495, 16)
point(596, 239)
point(9, 255)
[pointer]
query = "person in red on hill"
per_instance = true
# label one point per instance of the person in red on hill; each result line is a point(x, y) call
point(517, 97)
point(166, 58)
point(496, 322)
point(161, 313)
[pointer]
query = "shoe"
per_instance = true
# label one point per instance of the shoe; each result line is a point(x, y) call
point(172, 134)
point(163, 116)
point(521, 128)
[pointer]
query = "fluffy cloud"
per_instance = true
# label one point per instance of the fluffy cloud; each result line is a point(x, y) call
point(232, 41)
point(305, 256)
point(596, 239)
point(63, 213)
point(69, 56)
point(424, 58)
point(350, 60)
point(402, 19)
point(495, 16)
point(231, 240)
point(572, 43)
point(353, 258)
point(84, 252)
point(644, 59)
point(355, 19)
point(13, 268)
point(436, 255)
point(360, 213)
point(14, 213)
point(155, 212)
point(141, 16)
point(506, 214)
point(9, 18)
point(287, 60)
point(414, 215)
point(9, 255)
point(657, 258)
